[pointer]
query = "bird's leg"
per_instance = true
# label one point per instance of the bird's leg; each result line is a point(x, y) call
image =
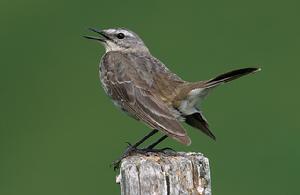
point(151, 148)
point(144, 139)
point(132, 148)
point(157, 142)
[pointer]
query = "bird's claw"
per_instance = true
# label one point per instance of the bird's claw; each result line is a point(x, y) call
point(130, 149)
point(168, 148)
point(161, 150)
point(116, 164)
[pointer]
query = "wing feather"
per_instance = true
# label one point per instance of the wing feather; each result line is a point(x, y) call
point(131, 82)
point(143, 106)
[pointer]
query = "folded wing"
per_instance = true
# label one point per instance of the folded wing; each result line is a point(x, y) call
point(134, 95)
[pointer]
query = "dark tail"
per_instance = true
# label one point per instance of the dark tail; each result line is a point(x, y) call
point(229, 76)
point(198, 121)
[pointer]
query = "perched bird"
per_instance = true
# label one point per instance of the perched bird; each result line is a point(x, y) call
point(147, 90)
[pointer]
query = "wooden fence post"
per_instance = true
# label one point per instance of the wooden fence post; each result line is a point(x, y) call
point(165, 174)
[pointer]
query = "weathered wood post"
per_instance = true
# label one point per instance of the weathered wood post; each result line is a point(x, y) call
point(165, 174)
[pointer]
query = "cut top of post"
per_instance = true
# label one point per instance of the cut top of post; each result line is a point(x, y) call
point(165, 174)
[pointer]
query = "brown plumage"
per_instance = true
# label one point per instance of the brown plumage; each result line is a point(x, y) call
point(143, 90)
point(148, 91)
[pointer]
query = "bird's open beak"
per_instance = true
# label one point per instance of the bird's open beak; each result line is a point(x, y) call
point(103, 37)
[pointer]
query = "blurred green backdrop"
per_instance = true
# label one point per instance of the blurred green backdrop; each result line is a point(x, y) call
point(59, 132)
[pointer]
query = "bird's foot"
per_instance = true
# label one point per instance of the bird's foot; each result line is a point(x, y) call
point(132, 149)
point(145, 151)
point(129, 150)
point(154, 150)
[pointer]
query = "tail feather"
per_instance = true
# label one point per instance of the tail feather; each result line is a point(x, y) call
point(198, 90)
point(229, 76)
point(198, 121)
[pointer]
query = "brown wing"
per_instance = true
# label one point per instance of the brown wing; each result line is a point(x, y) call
point(133, 93)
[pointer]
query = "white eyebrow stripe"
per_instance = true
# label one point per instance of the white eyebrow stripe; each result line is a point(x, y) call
point(110, 31)
point(125, 32)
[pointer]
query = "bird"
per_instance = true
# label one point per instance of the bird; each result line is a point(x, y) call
point(143, 87)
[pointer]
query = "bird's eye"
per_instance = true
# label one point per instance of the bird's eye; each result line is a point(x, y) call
point(120, 36)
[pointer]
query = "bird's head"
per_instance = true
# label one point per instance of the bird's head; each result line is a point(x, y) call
point(119, 39)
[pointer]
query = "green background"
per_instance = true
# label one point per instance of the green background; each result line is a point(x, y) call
point(59, 131)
